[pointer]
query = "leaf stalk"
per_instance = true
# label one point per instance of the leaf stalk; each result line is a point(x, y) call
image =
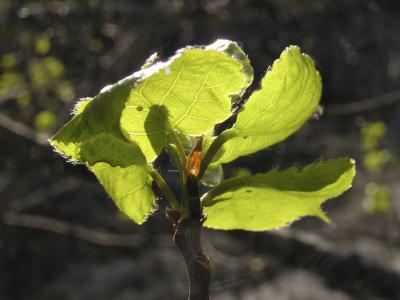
point(221, 188)
point(179, 146)
point(166, 190)
point(214, 147)
point(180, 159)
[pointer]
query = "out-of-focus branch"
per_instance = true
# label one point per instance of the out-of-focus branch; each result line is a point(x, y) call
point(364, 105)
point(74, 230)
point(294, 248)
point(138, 242)
point(42, 194)
point(23, 130)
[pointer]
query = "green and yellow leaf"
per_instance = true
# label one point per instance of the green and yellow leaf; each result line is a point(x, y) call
point(129, 187)
point(277, 198)
point(191, 92)
point(289, 94)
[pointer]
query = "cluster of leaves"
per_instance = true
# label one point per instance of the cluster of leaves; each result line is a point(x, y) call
point(375, 158)
point(40, 76)
point(120, 132)
point(377, 197)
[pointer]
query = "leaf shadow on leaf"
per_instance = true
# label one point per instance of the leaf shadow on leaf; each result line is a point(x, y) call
point(218, 200)
point(94, 135)
point(156, 126)
point(106, 147)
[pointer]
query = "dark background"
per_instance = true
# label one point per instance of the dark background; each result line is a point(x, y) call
point(61, 236)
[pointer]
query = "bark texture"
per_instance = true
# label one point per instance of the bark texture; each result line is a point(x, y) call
point(188, 239)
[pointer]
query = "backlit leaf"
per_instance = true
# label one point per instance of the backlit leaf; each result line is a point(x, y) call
point(191, 92)
point(129, 187)
point(277, 198)
point(289, 95)
point(93, 135)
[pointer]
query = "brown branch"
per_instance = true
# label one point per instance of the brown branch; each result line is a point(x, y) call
point(364, 105)
point(188, 239)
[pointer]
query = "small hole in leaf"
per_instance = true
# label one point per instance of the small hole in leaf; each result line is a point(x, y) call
point(139, 108)
point(248, 191)
point(245, 137)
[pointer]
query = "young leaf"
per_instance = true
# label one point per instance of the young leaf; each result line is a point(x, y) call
point(190, 92)
point(93, 135)
point(274, 199)
point(289, 95)
point(129, 187)
point(128, 183)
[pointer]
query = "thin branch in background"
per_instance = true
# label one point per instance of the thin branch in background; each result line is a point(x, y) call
point(281, 246)
point(364, 105)
point(43, 193)
point(23, 130)
point(80, 232)
point(292, 248)
point(77, 231)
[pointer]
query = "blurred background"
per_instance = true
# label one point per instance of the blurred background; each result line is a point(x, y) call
point(61, 237)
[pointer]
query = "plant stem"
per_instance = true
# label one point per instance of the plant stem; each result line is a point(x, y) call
point(179, 147)
point(188, 238)
point(179, 156)
point(187, 231)
point(166, 190)
point(173, 153)
point(223, 187)
point(213, 149)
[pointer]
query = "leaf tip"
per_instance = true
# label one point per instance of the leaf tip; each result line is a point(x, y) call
point(325, 218)
point(292, 49)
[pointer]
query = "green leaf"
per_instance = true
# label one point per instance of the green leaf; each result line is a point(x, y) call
point(213, 176)
point(191, 92)
point(93, 134)
point(289, 95)
point(277, 198)
point(125, 177)
point(125, 126)
point(129, 187)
